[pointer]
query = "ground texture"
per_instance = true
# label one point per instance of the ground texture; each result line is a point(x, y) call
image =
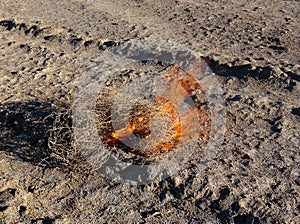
point(253, 48)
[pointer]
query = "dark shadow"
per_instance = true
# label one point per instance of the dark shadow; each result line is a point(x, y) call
point(246, 219)
point(240, 71)
point(24, 131)
point(243, 71)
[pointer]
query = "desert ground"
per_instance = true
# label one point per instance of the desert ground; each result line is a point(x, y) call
point(251, 49)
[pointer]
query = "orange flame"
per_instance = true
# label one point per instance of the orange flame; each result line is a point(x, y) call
point(181, 128)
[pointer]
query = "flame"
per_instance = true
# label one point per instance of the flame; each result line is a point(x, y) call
point(180, 127)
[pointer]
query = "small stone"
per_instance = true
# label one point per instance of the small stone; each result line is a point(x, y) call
point(177, 181)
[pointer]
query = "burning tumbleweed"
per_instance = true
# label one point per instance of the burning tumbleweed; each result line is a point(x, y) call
point(153, 126)
point(141, 113)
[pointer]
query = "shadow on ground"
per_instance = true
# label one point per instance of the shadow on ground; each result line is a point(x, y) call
point(24, 131)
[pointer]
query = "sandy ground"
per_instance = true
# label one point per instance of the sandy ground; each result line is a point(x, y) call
point(252, 47)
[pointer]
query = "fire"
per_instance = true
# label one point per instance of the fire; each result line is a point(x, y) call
point(178, 127)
